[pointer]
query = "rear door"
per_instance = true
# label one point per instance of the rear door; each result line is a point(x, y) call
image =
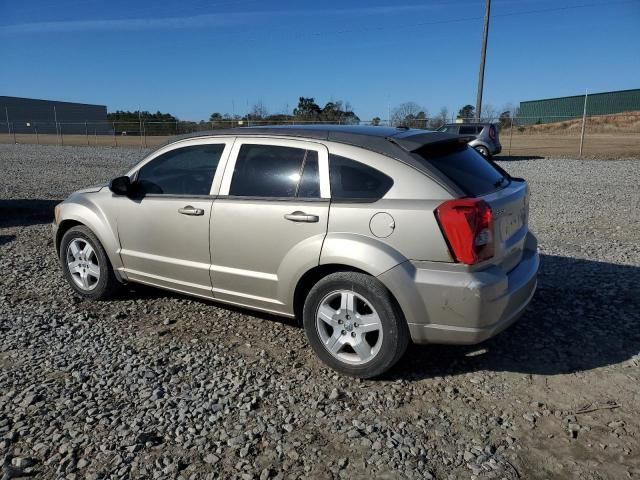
point(269, 221)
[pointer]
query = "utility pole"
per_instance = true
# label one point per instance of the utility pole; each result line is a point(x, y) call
point(58, 129)
point(483, 55)
point(584, 119)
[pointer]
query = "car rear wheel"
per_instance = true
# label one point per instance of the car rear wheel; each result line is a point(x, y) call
point(354, 325)
point(483, 151)
point(85, 264)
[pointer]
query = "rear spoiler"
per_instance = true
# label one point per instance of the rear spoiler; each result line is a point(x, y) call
point(410, 141)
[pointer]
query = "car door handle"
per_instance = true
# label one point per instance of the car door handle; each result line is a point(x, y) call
point(189, 210)
point(299, 216)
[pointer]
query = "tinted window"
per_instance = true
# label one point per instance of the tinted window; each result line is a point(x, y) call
point(310, 181)
point(465, 167)
point(273, 171)
point(351, 179)
point(468, 130)
point(183, 171)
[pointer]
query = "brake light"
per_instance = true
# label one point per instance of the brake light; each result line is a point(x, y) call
point(492, 132)
point(467, 224)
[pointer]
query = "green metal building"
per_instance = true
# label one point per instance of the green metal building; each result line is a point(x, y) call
point(564, 108)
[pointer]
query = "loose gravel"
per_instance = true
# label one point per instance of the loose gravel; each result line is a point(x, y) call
point(156, 385)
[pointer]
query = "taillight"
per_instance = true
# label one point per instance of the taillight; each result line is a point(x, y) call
point(492, 132)
point(467, 224)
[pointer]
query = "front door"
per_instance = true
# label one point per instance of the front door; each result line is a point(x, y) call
point(164, 227)
point(269, 221)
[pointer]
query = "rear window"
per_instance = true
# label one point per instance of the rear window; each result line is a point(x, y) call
point(465, 167)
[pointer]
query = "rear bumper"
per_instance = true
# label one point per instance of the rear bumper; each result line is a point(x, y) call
point(497, 149)
point(461, 307)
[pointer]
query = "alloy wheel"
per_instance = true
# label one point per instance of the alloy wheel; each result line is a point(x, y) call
point(83, 264)
point(349, 327)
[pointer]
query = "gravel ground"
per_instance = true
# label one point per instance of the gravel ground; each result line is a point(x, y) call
point(156, 385)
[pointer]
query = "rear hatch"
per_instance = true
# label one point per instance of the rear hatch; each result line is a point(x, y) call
point(472, 176)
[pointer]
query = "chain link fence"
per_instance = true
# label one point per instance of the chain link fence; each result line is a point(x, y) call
point(599, 136)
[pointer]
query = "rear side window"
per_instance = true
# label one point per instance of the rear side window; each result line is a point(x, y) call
point(276, 172)
point(355, 180)
point(469, 130)
point(465, 167)
point(183, 171)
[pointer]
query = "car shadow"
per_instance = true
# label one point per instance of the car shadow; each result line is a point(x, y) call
point(139, 291)
point(4, 239)
point(583, 316)
point(25, 212)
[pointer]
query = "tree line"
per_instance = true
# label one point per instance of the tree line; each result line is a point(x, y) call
point(407, 114)
point(307, 110)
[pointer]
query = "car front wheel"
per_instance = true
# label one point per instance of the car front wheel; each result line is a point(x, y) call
point(85, 264)
point(354, 325)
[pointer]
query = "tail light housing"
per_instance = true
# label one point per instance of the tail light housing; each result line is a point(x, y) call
point(467, 224)
point(492, 132)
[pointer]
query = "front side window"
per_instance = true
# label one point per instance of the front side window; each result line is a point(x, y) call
point(354, 180)
point(274, 171)
point(183, 171)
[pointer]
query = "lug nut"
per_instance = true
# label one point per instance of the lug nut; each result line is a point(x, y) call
point(353, 334)
point(340, 321)
point(343, 332)
point(348, 317)
point(355, 325)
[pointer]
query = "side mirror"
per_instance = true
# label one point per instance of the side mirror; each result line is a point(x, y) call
point(120, 185)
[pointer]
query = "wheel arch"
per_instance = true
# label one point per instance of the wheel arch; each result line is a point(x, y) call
point(64, 227)
point(90, 216)
point(310, 278)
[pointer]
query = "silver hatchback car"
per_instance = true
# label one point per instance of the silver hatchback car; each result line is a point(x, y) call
point(371, 236)
point(485, 137)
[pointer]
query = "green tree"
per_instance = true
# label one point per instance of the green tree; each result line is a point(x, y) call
point(307, 109)
point(467, 112)
point(505, 119)
point(375, 121)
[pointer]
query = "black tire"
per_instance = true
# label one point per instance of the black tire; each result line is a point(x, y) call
point(395, 333)
point(483, 151)
point(107, 285)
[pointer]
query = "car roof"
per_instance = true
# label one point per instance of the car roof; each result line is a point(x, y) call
point(390, 141)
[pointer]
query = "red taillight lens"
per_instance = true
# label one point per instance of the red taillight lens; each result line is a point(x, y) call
point(492, 132)
point(467, 224)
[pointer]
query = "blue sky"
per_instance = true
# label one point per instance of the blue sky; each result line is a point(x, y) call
point(193, 57)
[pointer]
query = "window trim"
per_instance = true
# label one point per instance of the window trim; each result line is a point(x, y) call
point(217, 177)
point(323, 166)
